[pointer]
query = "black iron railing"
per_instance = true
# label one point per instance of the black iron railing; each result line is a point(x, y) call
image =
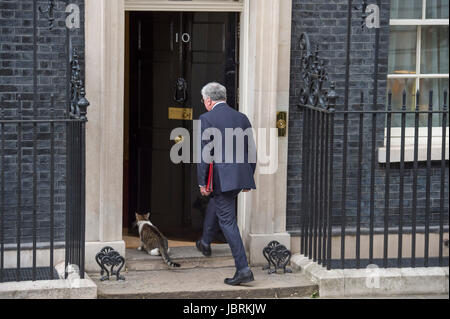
point(76, 171)
point(362, 185)
point(42, 156)
point(351, 174)
point(32, 151)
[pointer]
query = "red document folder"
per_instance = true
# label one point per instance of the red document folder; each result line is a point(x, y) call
point(209, 185)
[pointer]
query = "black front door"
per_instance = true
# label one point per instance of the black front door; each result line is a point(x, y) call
point(169, 48)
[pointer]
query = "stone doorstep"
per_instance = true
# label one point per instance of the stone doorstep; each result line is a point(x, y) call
point(363, 282)
point(72, 288)
point(188, 257)
point(199, 277)
point(203, 283)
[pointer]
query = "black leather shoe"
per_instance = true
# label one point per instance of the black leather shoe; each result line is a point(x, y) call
point(206, 251)
point(240, 277)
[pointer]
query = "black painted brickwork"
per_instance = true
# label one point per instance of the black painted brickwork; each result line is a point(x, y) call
point(16, 78)
point(326, 23)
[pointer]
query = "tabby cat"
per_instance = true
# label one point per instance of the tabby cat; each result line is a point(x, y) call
point(152, 240)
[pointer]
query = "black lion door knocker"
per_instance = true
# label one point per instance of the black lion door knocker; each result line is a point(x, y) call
point(180, 93)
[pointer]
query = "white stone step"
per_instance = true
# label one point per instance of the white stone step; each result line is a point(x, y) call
point(188, 257)
point(203, 283)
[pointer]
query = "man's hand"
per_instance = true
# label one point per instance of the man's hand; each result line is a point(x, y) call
point(204, 192)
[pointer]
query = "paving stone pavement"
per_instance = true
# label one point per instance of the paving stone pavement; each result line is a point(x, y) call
point(148, 277)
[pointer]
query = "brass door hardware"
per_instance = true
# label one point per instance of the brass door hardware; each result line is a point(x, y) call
point(281, 123)
point(180, 113)
point(179, 139)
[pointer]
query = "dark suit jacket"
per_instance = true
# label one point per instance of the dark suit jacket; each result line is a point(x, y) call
point(228, 175)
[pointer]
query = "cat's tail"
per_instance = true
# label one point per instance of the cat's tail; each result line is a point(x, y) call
point(165, 254)
point(167, 260)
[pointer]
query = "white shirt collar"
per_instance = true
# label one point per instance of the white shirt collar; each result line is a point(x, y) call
point(218, 104)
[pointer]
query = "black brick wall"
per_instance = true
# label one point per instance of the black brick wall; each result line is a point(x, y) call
point(17, 78)
point(326, 23)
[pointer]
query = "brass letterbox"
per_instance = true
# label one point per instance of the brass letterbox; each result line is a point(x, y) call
point(180, 113)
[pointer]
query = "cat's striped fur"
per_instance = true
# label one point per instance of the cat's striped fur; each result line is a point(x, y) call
point(152, 240)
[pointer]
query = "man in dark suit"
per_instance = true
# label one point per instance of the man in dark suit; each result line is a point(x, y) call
point(233, 173)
